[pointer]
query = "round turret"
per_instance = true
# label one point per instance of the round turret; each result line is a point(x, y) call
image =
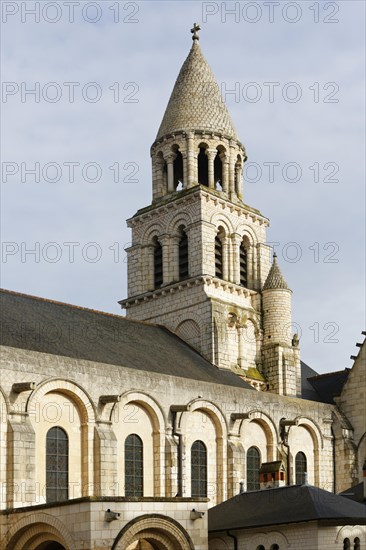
point(276, 307)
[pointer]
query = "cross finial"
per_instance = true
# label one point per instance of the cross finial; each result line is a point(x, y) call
point(194, 31)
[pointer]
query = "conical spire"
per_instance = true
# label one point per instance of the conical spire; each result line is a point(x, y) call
point(196, 102)
point(275, 279)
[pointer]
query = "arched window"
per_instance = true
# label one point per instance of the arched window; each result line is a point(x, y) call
point(300, 468)
point(243, 264)
point(219, 256)
point(183, 256)
point(253, 465)
point(158, 264)
point(346, 544)
point(260, 547)
point(357, 544)
point(218, 173)
point(238, 175)
point(57, 465)
point(275, 547)
point(198, 469)
point(134, 466)
point(178, 169)
point(202, 166)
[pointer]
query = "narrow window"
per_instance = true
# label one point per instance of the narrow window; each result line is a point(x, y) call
point(300, 468)
point(357, 544)
point(158, 264)
point(57, 465)
point(178, 171)
point(218, 257)
point(243, 265)
point(134, 467)
point(183, 257)
point(275, 547)
point(218, 171)
point(260, 547)
point(202, 167)
point(346, 544)
point(253, 465)
point(198, 469)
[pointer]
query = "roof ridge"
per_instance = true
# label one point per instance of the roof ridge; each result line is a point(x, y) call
point(74, 306)
point(324, 374)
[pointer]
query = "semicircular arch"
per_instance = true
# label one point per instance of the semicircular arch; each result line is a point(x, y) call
point(44, 522)
point(155, 527)
point(70, 388)
point(314, 430)
point(152, 231)
point(146, 402)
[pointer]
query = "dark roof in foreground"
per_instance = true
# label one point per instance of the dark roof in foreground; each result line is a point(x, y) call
point(36, 324)
point(290, 504)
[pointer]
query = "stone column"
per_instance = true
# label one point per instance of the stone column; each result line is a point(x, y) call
point(232, 170)
point(159, 177)
point(225, 258)
point(211, 154)
point(251, 275)
point(21, 466)
point(225, 173)
point(165, 243)
point(170, 163)
point(236, 242)
point(174, 257)
point(190, 160)
point(148, 263)
point(185, 169)
point(241, 345)
point(238, 176)
point(105, 460)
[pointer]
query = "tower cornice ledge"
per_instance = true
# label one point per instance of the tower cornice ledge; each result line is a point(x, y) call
point(202, 133)
point(180, 198)
point(186, 283)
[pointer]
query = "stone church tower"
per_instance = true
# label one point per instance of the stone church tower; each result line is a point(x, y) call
point(198, 263)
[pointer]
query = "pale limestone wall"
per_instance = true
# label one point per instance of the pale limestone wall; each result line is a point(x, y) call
point(133, 419)
point(352, 403)
point(3, 448)
point(201, 427)
point(277, 316)
point(281, 366)
point(98, 432)
point(300, 438)
point(82, 525)
point(201, 213)
point(300, 536)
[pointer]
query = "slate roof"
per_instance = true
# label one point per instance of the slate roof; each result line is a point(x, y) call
point(307, 390)
point(196, 102)
point(329, 385)
point(355, 493)
point(32, 323)
point(290, 504)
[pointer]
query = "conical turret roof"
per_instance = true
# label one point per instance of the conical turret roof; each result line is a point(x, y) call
point(196, 102)
point(275, 279)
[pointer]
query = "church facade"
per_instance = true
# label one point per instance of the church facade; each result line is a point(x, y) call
point(124, 432)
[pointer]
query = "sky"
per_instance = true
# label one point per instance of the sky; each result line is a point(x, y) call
point(85, 86)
